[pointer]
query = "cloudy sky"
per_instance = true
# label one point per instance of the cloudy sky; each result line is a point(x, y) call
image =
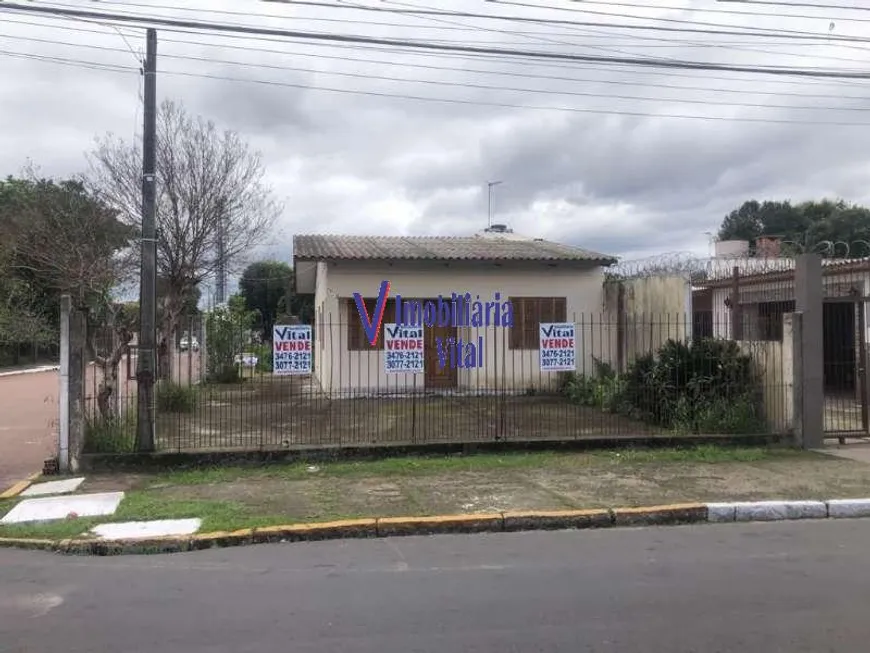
point(627, 159)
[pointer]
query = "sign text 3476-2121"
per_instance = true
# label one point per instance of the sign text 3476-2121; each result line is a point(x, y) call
point(291, 349)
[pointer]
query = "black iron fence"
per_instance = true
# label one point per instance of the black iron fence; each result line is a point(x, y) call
point(593, 377)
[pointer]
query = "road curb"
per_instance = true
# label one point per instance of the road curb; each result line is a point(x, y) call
point(31, 370)
point(500, 522)
point(17, 488)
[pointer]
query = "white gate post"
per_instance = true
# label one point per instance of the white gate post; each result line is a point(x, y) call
point(63, 395)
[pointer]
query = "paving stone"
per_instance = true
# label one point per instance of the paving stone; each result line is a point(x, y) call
point(51, 508)
point(65, 486)
point(145, 529)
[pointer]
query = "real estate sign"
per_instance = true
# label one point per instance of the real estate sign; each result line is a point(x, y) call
point(291, 349)
point(403, 349)
point(558, 347)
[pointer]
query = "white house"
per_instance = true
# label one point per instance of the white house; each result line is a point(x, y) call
point(541, 281)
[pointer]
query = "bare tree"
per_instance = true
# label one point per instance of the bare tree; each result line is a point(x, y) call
point(64, 239)
point(210, 185)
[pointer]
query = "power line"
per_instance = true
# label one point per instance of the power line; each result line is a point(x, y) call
point(515, 61)
point(803, 36)
point(632, 5)
point(638, 114)
point(799, 4)
point(733, 12)
point(480, 86)
point(559, 78)
point(653, 62)
point(432, 18)
point(676, 21)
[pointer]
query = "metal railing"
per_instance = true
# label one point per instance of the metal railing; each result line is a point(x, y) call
point(638, 376)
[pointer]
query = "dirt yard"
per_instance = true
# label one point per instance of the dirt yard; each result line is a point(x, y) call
point(491, 483)
point(275, 413)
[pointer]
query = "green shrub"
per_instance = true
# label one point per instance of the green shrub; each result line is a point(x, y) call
point(228, 333)
point(706, 387)
point(113, 435)
point(176, 398)
point(264, 357)
point(605, 390)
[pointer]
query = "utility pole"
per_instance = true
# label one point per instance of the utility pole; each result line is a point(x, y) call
point(489, 186)
point(146, 361)
point(221, 285)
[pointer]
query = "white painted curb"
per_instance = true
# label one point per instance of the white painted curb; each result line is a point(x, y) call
point(845, 508)
point(749, 511)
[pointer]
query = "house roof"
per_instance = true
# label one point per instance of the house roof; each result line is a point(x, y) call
point(444, 248)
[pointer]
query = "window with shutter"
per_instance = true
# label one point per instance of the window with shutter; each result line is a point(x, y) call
point(356, 334)
point(529, 314)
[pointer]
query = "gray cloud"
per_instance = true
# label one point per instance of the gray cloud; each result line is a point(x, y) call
point(365, 162)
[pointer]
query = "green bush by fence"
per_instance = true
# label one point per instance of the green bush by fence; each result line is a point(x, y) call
point(706, 387)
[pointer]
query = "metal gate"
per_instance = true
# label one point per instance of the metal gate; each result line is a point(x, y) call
point(845, 365)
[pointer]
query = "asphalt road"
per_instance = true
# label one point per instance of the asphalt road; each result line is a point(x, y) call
point(759, 588)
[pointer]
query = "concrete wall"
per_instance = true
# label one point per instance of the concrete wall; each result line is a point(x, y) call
point(322, 362)
point(774, 363)
point(652, 311)
point(363, 371)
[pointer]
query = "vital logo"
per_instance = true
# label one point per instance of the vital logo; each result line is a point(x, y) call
point(372, 324)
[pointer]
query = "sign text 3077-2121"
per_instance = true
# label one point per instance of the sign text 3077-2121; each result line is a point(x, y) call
point(291, 349)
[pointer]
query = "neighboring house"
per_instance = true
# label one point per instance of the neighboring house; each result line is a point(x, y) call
point(763, 298)
point(544, 281)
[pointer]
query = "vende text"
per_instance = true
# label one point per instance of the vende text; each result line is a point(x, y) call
point(558, 343)
point(293, 345)
point(398, 345)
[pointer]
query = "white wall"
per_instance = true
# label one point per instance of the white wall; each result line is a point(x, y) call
point(322, 362)
point(503, 368)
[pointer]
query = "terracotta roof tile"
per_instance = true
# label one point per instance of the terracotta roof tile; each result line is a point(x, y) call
point(452, 248)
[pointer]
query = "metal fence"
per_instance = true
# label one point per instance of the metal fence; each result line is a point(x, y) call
point(638, 376)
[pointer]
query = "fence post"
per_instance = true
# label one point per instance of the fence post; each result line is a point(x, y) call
point(63, 401)
point(809, 361)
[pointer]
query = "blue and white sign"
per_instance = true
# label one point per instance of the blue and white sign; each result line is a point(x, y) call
point(403, 349)
point(291, 349)
point(558, 347)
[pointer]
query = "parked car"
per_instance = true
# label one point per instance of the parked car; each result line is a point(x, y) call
point(188, 343)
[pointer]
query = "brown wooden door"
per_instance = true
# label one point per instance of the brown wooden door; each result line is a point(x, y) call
point(435, 376)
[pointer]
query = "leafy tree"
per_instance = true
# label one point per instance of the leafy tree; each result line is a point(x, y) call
point(829, 227)
point(59, 238)
point(268, 288)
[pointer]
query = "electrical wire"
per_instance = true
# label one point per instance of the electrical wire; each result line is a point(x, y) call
point(733, 12)
point(517, 62)
point(742, 49)
point(458, 101)
point(473, 85)
point(675, 21)
point(652, 62)
point(401, 64)
point(798, 4)
point(802, 36)
point(632, 5)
